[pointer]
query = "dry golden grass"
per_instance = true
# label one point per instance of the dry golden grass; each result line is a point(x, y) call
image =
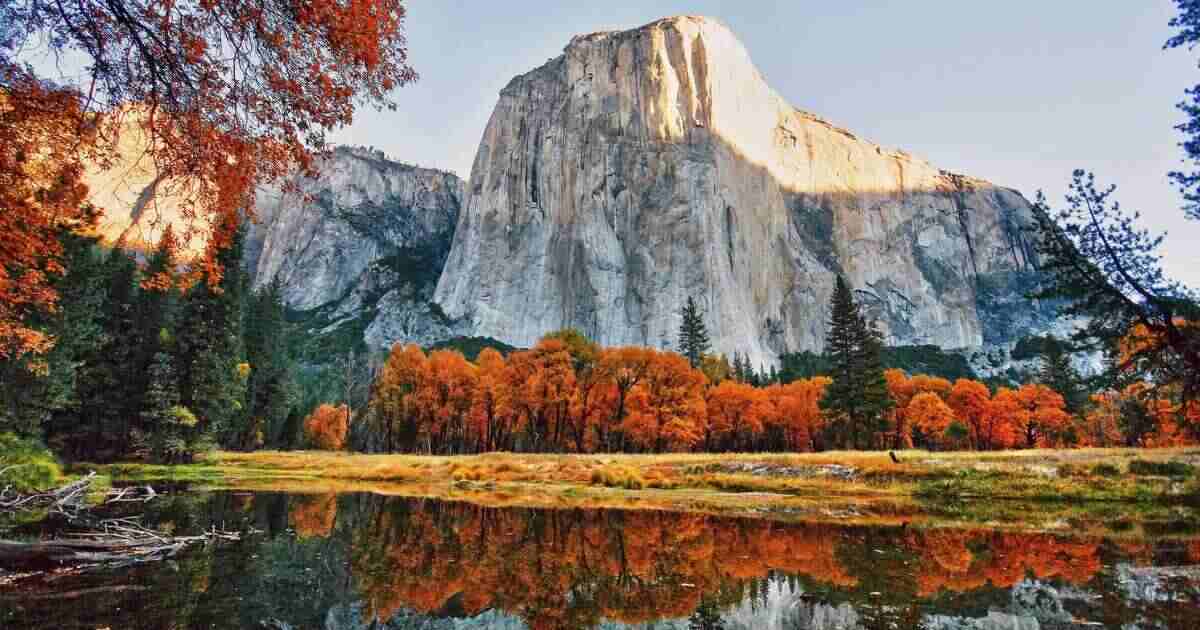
point(874, 473)
point(1042, 489)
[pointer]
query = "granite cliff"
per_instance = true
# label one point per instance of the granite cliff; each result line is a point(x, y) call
point(644, 166)
point(360, 247)
point(637, 169)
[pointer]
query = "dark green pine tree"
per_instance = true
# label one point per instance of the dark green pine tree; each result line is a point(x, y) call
point(270, 388)
point(1057, 373)
point(208, 355)
point(168, 428)
point(110, 399)
point(857, 400)
point(155, 309)
point(34, 390)
point(875, 400)
point(840, 402)
point(693, 335)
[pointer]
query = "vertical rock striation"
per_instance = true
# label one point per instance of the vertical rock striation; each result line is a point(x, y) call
point(644, 166)
point(363, 243)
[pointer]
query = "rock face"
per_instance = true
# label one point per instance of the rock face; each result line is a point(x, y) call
point(645, 166)
point(364, 243)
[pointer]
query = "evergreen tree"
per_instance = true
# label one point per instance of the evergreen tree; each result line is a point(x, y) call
point(168, 428)
point(1108, 273)
point(270, 386)
point(209, 356)
point(1057, 373)
point(154, 312)
point(693, 335)
point(109, 397)
point(802, 365)
point(875, 399)
point(1187, 21)
point(34, 389)
point(857, 399)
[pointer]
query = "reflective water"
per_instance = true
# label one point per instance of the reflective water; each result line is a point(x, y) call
point(366, 561)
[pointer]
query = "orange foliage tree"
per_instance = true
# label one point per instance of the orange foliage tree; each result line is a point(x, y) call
point(229, 93)
point(972, 405)
point(568, 395)
point(797, 411)
point(932, 417)
point(45, 138)
point(326, 427)
point(737, 413)
point(666, 409)
point(1036, 414)
point(904, 390)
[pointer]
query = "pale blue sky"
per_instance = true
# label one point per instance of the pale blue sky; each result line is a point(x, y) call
point(1018, 92)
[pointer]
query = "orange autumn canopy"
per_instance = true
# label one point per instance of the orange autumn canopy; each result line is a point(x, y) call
point(229, 93)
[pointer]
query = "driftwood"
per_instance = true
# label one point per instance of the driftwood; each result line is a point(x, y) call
point(68, 499)
point(103, 543)
point(116, 542)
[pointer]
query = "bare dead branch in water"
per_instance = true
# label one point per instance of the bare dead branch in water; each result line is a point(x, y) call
point(107, 542)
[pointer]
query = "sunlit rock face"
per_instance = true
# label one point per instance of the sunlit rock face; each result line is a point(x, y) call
point(137, 203)
point(366, 240)
point(645, 166)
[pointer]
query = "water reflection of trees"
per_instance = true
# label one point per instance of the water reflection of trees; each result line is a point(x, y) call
point(572, 568)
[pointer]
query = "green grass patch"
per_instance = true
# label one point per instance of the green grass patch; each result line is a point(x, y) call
point(1161, 469)
point(26, 466)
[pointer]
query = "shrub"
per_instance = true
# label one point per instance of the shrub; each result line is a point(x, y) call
point(618, 478)
point(1162, 469)
point(326, 427)
point(1105, 470)
point(26, 465)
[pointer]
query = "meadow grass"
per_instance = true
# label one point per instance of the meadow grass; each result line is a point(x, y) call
point(1139, 475)
point(1083, 490)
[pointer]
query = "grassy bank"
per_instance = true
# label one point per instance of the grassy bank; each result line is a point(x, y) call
point(1106, 483)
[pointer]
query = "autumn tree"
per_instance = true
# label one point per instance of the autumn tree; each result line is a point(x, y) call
point(627, 368)
point(326, 428)
point(394, 403)
point(445, 396)
point(491, 414)
point(45, 140)
point(1101, 425)
point(797, 411)
point(1036, 414)
point(971, 402)
point(229, 94)
point(736, 416)
point(932, 417)
point(666, 408)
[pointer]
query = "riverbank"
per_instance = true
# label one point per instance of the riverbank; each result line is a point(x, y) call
point(1019, 487)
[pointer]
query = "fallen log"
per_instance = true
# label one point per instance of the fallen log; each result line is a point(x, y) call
point(119, 543)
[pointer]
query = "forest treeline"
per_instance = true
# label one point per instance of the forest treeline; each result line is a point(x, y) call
point(149, 366)
point(567, 394)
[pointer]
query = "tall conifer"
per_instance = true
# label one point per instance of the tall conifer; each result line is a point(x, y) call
point(693, 335)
